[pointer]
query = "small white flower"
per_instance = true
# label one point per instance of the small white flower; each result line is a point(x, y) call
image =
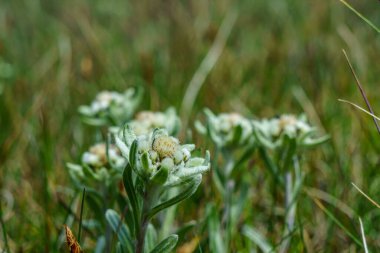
point(157, 150)
point(110, 107)
point(96, 157)
point(271, 132)
point(227, 129)
point(105, 99)
point(146, 121)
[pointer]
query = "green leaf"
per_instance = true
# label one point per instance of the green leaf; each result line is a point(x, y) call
point(290, 151)
point(132, 154)
point(244, 157)
point(145, 163)
point(150, 238)
point(160, 177)
point(120, 249)
point(167, 245)
point(238, 207)
point(238, 131)
point(190, 187)
point(257, 238)
point(271, 166)
point(214, 230)
point(129, 187)
point(337, 222)
point(120, 229)
point(100, 244)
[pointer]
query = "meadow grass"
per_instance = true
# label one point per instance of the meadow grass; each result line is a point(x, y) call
point(280, 56)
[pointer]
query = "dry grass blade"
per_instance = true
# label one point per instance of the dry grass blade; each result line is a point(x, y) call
point(321, 195)
point(365, 195)
point(360, 108)
point(363, 236)
point(72, 242)
point(361, 89)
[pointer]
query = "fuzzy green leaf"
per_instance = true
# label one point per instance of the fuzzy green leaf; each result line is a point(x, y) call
point(190, 187)
point(120, 229)
point(167, 245)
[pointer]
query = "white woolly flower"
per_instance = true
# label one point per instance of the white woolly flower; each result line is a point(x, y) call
point(96, 156)
point(98, 165)
point(271, 132)
point(105, 99)
point(146, 121)
point(227, 129)
point(157, 151)
point(111, 107)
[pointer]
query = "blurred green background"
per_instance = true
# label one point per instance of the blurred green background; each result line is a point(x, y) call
point(281, 56)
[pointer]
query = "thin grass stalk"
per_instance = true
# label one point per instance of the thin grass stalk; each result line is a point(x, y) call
point(6, 245)
point(361, 90)
point(81, 214)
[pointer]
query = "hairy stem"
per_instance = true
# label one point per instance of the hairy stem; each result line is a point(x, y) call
point(148, 198)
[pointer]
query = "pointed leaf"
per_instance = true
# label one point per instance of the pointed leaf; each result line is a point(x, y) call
point(189, 190)
point(167, 245)
point(257, 239)
point(129, 188)
point(119, 228)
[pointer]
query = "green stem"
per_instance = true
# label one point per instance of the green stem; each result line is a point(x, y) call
point(291, 189)
point(81, 214)
point(228, 186)
point(227, 212)
point(149, 196)
point(141, 237)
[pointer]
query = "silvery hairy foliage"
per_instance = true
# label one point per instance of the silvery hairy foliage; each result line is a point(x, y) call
point(156, 163)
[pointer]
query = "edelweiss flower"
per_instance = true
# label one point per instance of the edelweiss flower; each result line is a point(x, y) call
point(158, 151)
point(96, 157)
point(271, 132)
point(146, 121)
point(98, 165)
point(110, 107)
point(226, 129)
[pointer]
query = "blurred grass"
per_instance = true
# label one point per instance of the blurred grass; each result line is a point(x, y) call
point(56, 55)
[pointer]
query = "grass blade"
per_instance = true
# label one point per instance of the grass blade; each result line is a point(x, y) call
point(336, 221)
point(81, 214)
point(360, 16)
point(365, 195)
point(4, 231)
point(363, 236)
point(360, 108)
point(257, 238)
point(361, 89)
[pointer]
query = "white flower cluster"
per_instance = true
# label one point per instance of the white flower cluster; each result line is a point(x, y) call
point(158, 151)
point(272, 132)
point(96, 156)
point(98, 165)
point(110, 107)
point(146, 121)
point(233, 130)
point(104, 100)
point(227, 129)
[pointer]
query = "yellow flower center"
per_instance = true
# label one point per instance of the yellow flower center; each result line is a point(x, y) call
point(165, 146)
